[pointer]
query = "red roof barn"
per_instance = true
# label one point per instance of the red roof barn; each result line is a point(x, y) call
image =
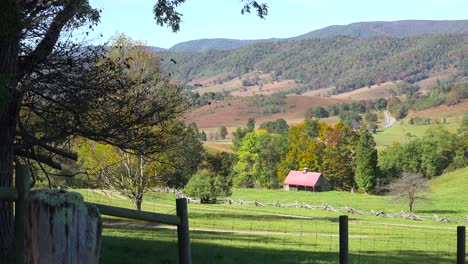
point(306, 181)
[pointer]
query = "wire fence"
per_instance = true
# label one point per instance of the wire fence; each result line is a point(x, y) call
point(235, 233)
point(327, 207)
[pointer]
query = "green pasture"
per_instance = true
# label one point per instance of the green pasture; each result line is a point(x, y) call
point(402, 132)
point(223, 233)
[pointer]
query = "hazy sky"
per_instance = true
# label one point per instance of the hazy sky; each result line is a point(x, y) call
point(286, 18)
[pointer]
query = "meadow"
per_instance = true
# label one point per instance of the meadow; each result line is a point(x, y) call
point(223, 233)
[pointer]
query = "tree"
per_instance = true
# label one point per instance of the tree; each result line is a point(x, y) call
point(279, 126)
point(464, 123)
point(318, 112)
point(339, 155)
point(366, 172)
point(409, 186)
point(203, 136)
point(207, 186)
point(132, 174)
point(223, 132)
point(251, 124)
point(381, 104)
point(258, 158)
point(53, 88)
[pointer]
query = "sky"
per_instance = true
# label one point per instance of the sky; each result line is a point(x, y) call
point(286, 18)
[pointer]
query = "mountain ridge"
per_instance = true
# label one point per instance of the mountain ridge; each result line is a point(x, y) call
point(400, 28)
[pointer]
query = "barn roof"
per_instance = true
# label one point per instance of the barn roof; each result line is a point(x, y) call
point(300, 178)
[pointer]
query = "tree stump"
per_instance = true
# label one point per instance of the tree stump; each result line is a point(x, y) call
point(62, 229)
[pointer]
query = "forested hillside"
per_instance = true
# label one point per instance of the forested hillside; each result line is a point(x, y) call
point(344, 62)
point(403, 28)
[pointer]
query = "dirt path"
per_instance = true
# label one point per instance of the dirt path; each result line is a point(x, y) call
point(389, 120)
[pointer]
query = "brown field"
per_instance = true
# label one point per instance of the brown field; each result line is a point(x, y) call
point(442, 110)
point(365, 93)
point(266, 89)
point(324, 92)
point(432, 80)
point(265, 85)
point(236, 112)
point(206, 81)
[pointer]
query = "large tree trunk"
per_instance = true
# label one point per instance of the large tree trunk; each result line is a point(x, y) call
point(9, 46)
point(6, 177)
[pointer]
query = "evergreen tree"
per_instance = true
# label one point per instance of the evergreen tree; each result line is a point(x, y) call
point(203, 136)
point(366, 162)
point(251, 124)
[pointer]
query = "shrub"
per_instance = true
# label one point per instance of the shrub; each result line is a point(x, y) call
point(207, 186)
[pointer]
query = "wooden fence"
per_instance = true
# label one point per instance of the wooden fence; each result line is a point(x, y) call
point(20, 195)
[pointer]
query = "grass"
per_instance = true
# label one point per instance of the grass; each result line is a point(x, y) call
point(402, 132)
point(222, 233)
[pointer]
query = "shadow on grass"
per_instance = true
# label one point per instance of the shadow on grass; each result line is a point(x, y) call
point(266, 216)
point(127, 245)
point(439, 211)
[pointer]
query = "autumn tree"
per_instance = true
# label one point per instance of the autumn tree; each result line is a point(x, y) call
point(366, 173)
point(305, 147)
point(53, 88)
point(339, 154)
point(409, 187)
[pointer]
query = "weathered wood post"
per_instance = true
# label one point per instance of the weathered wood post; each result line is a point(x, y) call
point(461, 245)
point(22, 184)
point(62, 229)
point(343, 239)
point(183, 235)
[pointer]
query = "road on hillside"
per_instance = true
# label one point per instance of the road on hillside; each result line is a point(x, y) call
point(389, 121)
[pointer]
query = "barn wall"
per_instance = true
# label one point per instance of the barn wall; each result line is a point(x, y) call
point(325, 185)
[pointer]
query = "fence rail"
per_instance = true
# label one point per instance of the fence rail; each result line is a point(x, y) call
point(349, 210)
point(327, 207)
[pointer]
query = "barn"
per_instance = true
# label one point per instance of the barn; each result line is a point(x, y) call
point(306, 181)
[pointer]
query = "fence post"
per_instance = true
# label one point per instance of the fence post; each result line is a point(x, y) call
point(461, 245)
point(343, 239)
point(183, 234)
point(23, 175)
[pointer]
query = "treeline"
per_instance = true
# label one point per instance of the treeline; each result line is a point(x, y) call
point(351, 114)
point(346, 157)
point(342, 62)
point(355, 113)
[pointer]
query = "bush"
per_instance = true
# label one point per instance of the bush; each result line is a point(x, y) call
point(207, 186)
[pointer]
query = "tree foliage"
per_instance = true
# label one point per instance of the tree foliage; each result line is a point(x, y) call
point(257, 159)
point(366, 162)
point(429, 155)
point(279, 126)
point(207, 186)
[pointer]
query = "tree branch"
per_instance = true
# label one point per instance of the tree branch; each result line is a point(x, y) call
point(45, 47)
point(39, 158)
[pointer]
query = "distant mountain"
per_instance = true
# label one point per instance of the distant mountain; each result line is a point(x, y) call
point(217, 44)
point(344, 62)
point(156, 49)
point(402, 28)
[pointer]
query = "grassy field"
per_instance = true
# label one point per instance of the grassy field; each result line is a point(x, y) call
point(222, 233)
point(402, 132)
